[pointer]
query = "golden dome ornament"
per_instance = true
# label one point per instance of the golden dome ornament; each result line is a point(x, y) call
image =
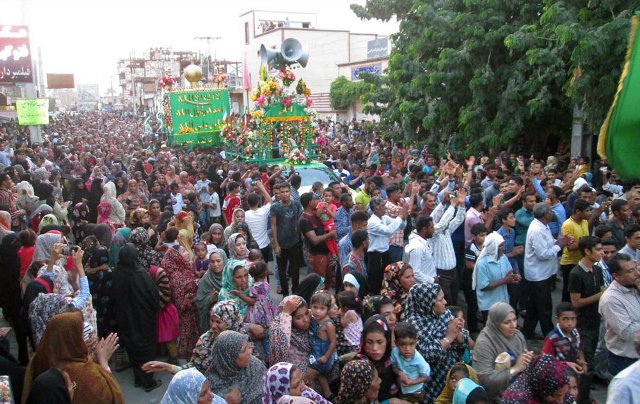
point(193, 74)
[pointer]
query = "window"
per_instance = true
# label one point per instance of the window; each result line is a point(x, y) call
point(246, 33)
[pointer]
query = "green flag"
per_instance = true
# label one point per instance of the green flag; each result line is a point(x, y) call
point(619, 139)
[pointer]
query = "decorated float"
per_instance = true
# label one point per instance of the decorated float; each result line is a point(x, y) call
point(279, 127)
point(194, 115)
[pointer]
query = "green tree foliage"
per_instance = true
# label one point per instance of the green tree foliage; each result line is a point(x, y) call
point(343, 92)
point(480, 74)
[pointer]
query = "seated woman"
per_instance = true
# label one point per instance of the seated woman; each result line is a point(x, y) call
point(233, 365)
point(440, 340)
point(500, 337)
point(62, 346)
point(544, 381)
point(224, 316)
point(359, 383)
point(398, 279)
point(289, 339)
point(284, 379)
point(189, 386)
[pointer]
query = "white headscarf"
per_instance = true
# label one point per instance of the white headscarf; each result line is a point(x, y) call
point(490, 249)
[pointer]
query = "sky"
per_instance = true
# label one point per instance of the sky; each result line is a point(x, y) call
point(86, 37)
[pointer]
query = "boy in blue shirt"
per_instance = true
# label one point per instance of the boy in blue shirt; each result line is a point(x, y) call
point(408, 364)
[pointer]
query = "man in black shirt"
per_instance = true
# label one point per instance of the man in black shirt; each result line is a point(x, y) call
point(312, 229)
point(585, 289)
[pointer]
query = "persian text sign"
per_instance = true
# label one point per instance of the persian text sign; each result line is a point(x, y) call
point(198, 111)
point(372, 69)
point(33, 111)
point(15, 54)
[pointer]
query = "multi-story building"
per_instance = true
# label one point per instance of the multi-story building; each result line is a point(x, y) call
point(330, 51)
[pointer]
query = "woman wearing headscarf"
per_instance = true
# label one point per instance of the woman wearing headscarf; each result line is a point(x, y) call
point(121, 237)
point(237, 247)
point(38, 214)
point(236, 279)
point(500, 340)
point(96, 262)
point(147, 255)
point(104, 213)
point(118, 213)
point(184, 285)
point(284, 379)
point(233, 365)
point(359, 383)
point(492, 274)
point(446, 395)
point(185, 246)
point(209, 287)
point(10, 292)
point(51, 387)
point(376, 346)
point(545, 381)
point(237, 218)
point(216, 232)
point(289, 339)
point(136, 301)
point(95, 196)
point(439, 338)
point(27, 200)
point(188, 387)
point(47, 220)
point(63, 347)
point(398, 279)
point(184, 221)
point(79, 192)
point(224, 316)
point(309, 285)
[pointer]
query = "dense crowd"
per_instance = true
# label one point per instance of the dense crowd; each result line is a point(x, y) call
point(116, 251)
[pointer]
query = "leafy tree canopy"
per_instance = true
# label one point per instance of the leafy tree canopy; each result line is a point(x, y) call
point(482, 74)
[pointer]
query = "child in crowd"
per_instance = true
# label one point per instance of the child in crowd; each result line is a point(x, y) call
point(231, 201)
point(213, 204)
point(176, 198)
point(171, 238)
point(563, 342)
point(323, 340)
point(201, 263)
point(471, 253)
point(326, 213)
point(573, 384)
point(408, 364)
point(458, 313)
point(263, 311)
point(25, 252)
point(255, 255)
point(457, 372)
point(350, 316)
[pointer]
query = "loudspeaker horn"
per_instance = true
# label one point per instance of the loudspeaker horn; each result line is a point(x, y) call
point(291, 50)
point(268, 55)
point(304, 58)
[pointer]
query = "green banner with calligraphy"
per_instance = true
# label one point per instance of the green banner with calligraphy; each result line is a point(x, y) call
point(32, 111)
point(196, 115)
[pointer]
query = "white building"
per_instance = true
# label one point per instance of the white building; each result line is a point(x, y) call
point(331, 52)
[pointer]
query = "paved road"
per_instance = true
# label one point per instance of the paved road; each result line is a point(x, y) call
point(138, 396)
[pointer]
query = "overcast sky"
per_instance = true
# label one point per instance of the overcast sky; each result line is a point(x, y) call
point(87, 37)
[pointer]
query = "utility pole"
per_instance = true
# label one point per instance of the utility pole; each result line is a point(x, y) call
point(208, 39)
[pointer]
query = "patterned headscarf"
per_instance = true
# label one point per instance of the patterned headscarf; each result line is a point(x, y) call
point(391, 286)
point(228, 285)
point(355, 379)
point(229, 313)
point(224, 374)
point(542, 378)
point(231, 246)
point(373, 304)
point(104, 211)
point(48, 220)
point(184, 387)
point(276, 382)
point(147, 256)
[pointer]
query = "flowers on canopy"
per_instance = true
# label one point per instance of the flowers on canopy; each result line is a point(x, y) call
point(296, 156)
point(167, 81)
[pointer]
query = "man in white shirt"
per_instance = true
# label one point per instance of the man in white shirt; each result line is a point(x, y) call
point(257, 218)
point(541, 264)
point(625, 387)
point(420, 253)
point(381, 227)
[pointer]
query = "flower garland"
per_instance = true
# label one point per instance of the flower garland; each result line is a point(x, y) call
point(296, 157)
point(167, 81)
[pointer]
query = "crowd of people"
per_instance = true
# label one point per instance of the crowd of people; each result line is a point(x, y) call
point(114, 245)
